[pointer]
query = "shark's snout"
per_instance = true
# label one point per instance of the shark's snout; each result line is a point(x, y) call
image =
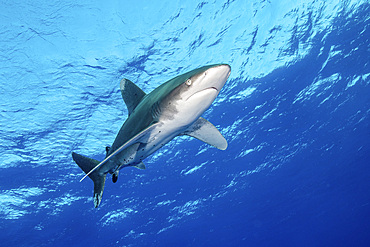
point(217, 76)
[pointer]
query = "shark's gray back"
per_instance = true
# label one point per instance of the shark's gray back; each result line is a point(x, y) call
point(141, 117)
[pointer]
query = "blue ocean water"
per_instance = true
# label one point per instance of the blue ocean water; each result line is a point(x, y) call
point(295, 112)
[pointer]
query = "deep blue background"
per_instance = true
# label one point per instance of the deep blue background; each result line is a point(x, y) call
point(295, 112)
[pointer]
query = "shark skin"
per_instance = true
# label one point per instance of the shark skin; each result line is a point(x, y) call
point(172, 109)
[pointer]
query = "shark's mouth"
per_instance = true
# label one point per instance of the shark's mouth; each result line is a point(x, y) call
point(204, 93)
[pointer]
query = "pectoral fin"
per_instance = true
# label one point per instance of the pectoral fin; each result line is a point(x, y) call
point(206, 132)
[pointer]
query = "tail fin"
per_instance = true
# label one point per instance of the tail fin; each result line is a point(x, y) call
point(87, 164)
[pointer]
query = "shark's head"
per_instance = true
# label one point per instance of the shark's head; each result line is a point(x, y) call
point(194, 93)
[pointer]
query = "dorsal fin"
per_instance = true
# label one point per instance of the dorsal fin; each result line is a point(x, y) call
point(131, 94)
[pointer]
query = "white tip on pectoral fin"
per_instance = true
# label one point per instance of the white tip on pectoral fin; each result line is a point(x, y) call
point(206, 132)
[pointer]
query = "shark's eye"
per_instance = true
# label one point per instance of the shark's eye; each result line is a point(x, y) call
point(188, 82)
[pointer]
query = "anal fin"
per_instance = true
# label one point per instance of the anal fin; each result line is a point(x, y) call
point(133, 140)
point(115, 176)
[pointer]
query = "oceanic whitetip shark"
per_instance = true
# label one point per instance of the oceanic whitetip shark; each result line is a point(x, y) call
point(172, 109)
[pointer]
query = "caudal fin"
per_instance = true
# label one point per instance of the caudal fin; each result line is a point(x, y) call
point(87, 164)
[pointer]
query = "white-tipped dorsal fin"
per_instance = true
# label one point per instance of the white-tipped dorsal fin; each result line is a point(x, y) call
point(206, 132)
point(133, 140)
point(131, 94)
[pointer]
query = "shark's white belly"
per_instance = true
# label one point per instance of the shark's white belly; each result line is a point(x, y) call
point(158, 137)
